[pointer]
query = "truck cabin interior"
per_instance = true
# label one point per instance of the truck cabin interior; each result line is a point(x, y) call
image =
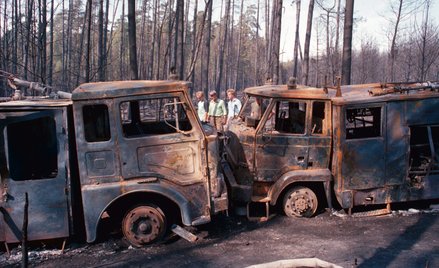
point(424, 152)
point(287, 116)
point(363, 122)
point(153, 117)
point(32, 149)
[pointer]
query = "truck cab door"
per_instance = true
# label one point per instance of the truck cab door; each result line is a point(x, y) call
point(320, 135)
point(158, 138)
point(33, 160)
point(363, 152)
point(282, 142)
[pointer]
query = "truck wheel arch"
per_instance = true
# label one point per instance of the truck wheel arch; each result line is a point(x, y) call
point(289, 178)
point(158, 195)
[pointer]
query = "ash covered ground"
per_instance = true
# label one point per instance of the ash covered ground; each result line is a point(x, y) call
point(405, 238)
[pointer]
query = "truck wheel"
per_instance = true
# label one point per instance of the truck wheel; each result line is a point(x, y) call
point(300, 202)
point(144, 225)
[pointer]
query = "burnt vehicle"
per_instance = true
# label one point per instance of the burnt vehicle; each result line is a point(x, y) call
point(131, 152)
point(295, 146)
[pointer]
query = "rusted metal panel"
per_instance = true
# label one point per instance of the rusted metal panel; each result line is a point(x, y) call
point(377, 169)
point(105, 90)
point(155, 144)
point(34, 160)
point(383, 144)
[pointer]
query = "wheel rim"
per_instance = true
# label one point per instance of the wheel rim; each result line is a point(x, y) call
point(300, 202)
point(143, 225)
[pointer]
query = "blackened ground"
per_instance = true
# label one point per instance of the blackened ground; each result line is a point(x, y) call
point(405, 238)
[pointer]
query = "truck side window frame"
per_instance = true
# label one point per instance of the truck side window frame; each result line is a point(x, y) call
point(32, 149)
point(152, 115)
point(96, 122)
point(291, 117)
point(364, 122)
point(424, 151)
point(319, 118)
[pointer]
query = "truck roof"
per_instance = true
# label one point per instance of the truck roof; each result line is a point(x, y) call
point(115, 89)
point(351, 94)
point(34, 102)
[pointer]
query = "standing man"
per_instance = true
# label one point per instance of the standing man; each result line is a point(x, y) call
point(217, 111)
point(233, 106)
point(202, 106)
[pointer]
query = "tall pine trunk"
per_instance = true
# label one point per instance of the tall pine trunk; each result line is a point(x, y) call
point(347, 43)
point(134, 74)
point(223, 44)
point(308, 42)
point(297, 40)
point(206, 54)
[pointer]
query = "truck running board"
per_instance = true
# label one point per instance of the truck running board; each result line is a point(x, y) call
point(259, 209)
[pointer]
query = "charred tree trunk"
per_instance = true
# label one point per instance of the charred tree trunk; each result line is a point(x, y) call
point(101, 76)
point(15, 42)
point(347, 43)
point(393, 45)
point(50, 71)
point(28, 41)
point(194, 44)
point(180, 38)
point(222, 46)
point(122, 43)
point(239, 45)
point(277, 24)
point(134, 75)
point(297, 41)
point(268, 41)
point(87, 53)
point(256, 74)
point(104, 46)
point(43, 41)
point(206, 56)
point(308, 41)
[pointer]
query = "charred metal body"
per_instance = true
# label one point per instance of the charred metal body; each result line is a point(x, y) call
point(370, 144)
point(135, 151)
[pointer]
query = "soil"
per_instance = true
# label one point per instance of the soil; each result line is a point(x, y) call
point(404, 238)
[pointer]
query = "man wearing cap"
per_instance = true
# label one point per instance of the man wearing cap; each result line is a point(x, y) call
point(217, 111)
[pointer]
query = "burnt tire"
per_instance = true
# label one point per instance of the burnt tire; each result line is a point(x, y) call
point(143, 225)
point(300, 201)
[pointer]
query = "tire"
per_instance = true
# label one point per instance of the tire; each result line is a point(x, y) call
point(300, 201)
point(143, 225)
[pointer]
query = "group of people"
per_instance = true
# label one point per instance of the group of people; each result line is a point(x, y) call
point(215, 111)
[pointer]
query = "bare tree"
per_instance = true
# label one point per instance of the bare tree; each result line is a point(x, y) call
point(347, 43)
point(428, 44)
point(122, 43)
point(239, 44)
point(308, 41)
point(87, 57)
point(101, 47)
point(275, 40)
point(328, 12)
point(297, 40)
point(400, 9)
point(50, 71)
point(134, 74)
point(206, 51)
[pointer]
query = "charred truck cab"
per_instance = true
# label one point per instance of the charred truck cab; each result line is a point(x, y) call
point(293, 146)
point(135, 149)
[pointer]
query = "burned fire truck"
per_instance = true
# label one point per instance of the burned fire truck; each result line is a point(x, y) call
point(297, 146)
point(131, 152)
point(134, 154)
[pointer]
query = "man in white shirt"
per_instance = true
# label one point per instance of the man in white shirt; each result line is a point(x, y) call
point(202, 106)
point(233, 106)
